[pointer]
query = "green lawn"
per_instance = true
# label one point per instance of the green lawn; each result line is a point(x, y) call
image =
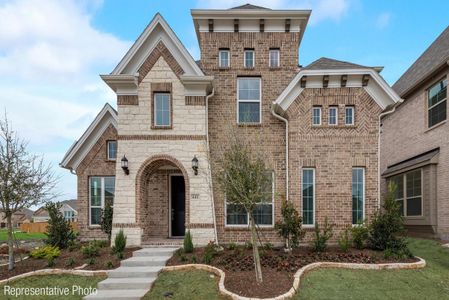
point(21, 236)
point(71, 282)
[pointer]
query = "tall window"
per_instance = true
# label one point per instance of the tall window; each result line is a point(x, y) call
point(437, 103)
point(349, 115)
point(224, 58)
point(248, 100)
point(409, 192)
point(263, 213)
point(274, 58)
point(333, 115)
point(316, 115)
point(102, 191)
point(358, 194)
point(249, 58)
point(112, 150)
point(308, 196)
point(162, 109)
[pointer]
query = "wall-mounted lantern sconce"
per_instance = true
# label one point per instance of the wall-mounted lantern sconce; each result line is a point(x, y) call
point(195, 165)
point(125, 165)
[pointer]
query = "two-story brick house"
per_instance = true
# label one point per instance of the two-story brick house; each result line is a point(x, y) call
point(415, 142)
point(320, 127)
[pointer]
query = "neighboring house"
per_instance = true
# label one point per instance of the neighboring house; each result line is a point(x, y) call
point(22, 216)
point(69, 209)
point(415, 142)
point(157, 158)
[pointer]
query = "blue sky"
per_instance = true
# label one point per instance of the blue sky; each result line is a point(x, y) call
point(51, 52)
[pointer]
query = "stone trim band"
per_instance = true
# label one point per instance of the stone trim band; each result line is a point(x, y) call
point(162, 137)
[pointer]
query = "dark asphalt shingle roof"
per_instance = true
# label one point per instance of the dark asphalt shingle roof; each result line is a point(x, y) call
point(436, 55)
point(328, 63)
point(249, 6)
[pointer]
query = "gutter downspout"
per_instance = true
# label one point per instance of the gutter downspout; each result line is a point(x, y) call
point(209, 163)
point(286, 149)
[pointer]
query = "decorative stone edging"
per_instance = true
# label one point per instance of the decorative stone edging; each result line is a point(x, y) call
point(299, 274)
point(55, 272)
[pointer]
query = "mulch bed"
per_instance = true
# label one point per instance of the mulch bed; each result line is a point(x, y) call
point(33, 264)
point(278, 267)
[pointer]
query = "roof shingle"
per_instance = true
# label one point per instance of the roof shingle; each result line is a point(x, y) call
point(249, 6)
point(325, 63)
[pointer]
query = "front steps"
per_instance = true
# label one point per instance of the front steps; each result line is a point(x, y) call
point(135, 276)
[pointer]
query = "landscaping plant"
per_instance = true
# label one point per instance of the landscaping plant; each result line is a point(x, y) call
point(46, 252)
point(360, 234)
point(291, 226)
point(344, 241)
point(188, 243)
point(106, 220)
point(319, 243)
point(59, 231)
point(209, 252)
point(90, 250)
point(119, 244)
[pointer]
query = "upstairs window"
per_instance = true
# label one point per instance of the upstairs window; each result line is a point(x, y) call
point(349, 115)
point(274, 59)
point(112, 150)
point(437, 103)
point(333, 115)
point(162, 110)
point(316, 115)
point(224, 58)
point(248, 100)
point(249, 58)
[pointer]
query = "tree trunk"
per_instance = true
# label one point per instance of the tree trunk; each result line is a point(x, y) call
point(10, 243)
point(256, 256)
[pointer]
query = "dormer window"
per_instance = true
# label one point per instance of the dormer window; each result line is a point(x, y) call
point(274, 58)
point(112, 150)
point(249, 58)
point(224, 58)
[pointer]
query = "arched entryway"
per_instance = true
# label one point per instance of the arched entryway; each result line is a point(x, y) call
point(162, 189)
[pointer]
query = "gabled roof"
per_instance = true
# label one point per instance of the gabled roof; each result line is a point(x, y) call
point(248, 6)
point(73, 203)
point(435, 57)
point(78, 151)
point(325, 63)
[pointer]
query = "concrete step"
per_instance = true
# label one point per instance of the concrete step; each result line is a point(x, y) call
point(136, 294)
point(128, 272)
point(126, 283)
point(143, 261)
point(155, 252)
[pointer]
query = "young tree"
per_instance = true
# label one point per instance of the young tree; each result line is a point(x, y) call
point(25, 180)
point(246, 184)
point(59, 230)
point(106, 220)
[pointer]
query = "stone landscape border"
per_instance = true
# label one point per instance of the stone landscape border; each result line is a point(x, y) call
point(55, 272)
point(421, 263)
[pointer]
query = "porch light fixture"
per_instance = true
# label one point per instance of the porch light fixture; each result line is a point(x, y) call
point(125, 165)
point(195, 165)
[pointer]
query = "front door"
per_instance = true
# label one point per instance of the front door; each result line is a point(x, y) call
point(178, 205)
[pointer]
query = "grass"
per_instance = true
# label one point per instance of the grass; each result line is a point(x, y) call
point(198, 285)
point(58, 281)
point(21, 236)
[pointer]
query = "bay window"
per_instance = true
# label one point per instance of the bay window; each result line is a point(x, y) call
point(409, 192)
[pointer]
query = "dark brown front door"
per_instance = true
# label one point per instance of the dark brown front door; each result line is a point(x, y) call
point(178, 205)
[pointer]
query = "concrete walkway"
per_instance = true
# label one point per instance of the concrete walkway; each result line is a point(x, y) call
point(134, 278)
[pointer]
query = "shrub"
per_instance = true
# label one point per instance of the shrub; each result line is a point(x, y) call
point(59, 230)
point(70, 262)
point(194, 259)
point(232, 246)
point(50, 262)
point(90, 250)
point(360, 234)
point(209, 253)
point(319, 243)
point(100, 243)
point(109, 264)
point(291, 226)
point(106, 220)
point(120, 255)
point(188, 244)
point(119, 242)
point(183, 257)
point(46, 252)
point(91, 261)
point(74, 245)
point(248, 245)
point(268, 246)
point(344, 241)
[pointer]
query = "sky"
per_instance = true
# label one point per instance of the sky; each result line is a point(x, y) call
point(52, 51)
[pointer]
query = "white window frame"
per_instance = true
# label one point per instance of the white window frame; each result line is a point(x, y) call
point(351, 108)
point(249, 101)
point(247, 217)
point(336, 115)
point(404, 194)
point(220, 60)
point(363, 194)
point(314, 196)
point(278, 55)
point(436, 104)
point(72, 215)
point(155, 109)
point(313, 115)
point(244, 58)
point(102, 196)
point(109, 156)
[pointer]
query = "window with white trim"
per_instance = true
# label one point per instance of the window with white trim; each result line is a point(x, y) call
point(248, 58)
point(263, 213)
point(112, 150)
point(409, 192)
point(162, 109)
point(333, 115)
point(437, 103)
point(274, 58)
point(316, 115)
point(308, 196)
point(349, 115)
point(101, 193)
point(224, 58)
point(248, 100)
point(69, 215)
point(358, 195)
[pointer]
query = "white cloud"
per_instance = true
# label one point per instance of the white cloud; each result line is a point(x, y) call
point(383, 20)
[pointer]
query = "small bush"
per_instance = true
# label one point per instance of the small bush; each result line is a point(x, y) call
point(248, 245)
point(90, 250)
point(319, 243)
point(91, 261)
point(360, 235)
point(109, 264)
point(291, 226)
point(194, 259)
point(120, 255)
point(344, 241)
point(100, 243)
point(51, 262)
point(188, 243)
point(46, 252)
point(74, 245)
point(119, 242)
point(183, 257)
point(232, 246)
point(209, 253)
point(70, 262)
point(59, 230)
